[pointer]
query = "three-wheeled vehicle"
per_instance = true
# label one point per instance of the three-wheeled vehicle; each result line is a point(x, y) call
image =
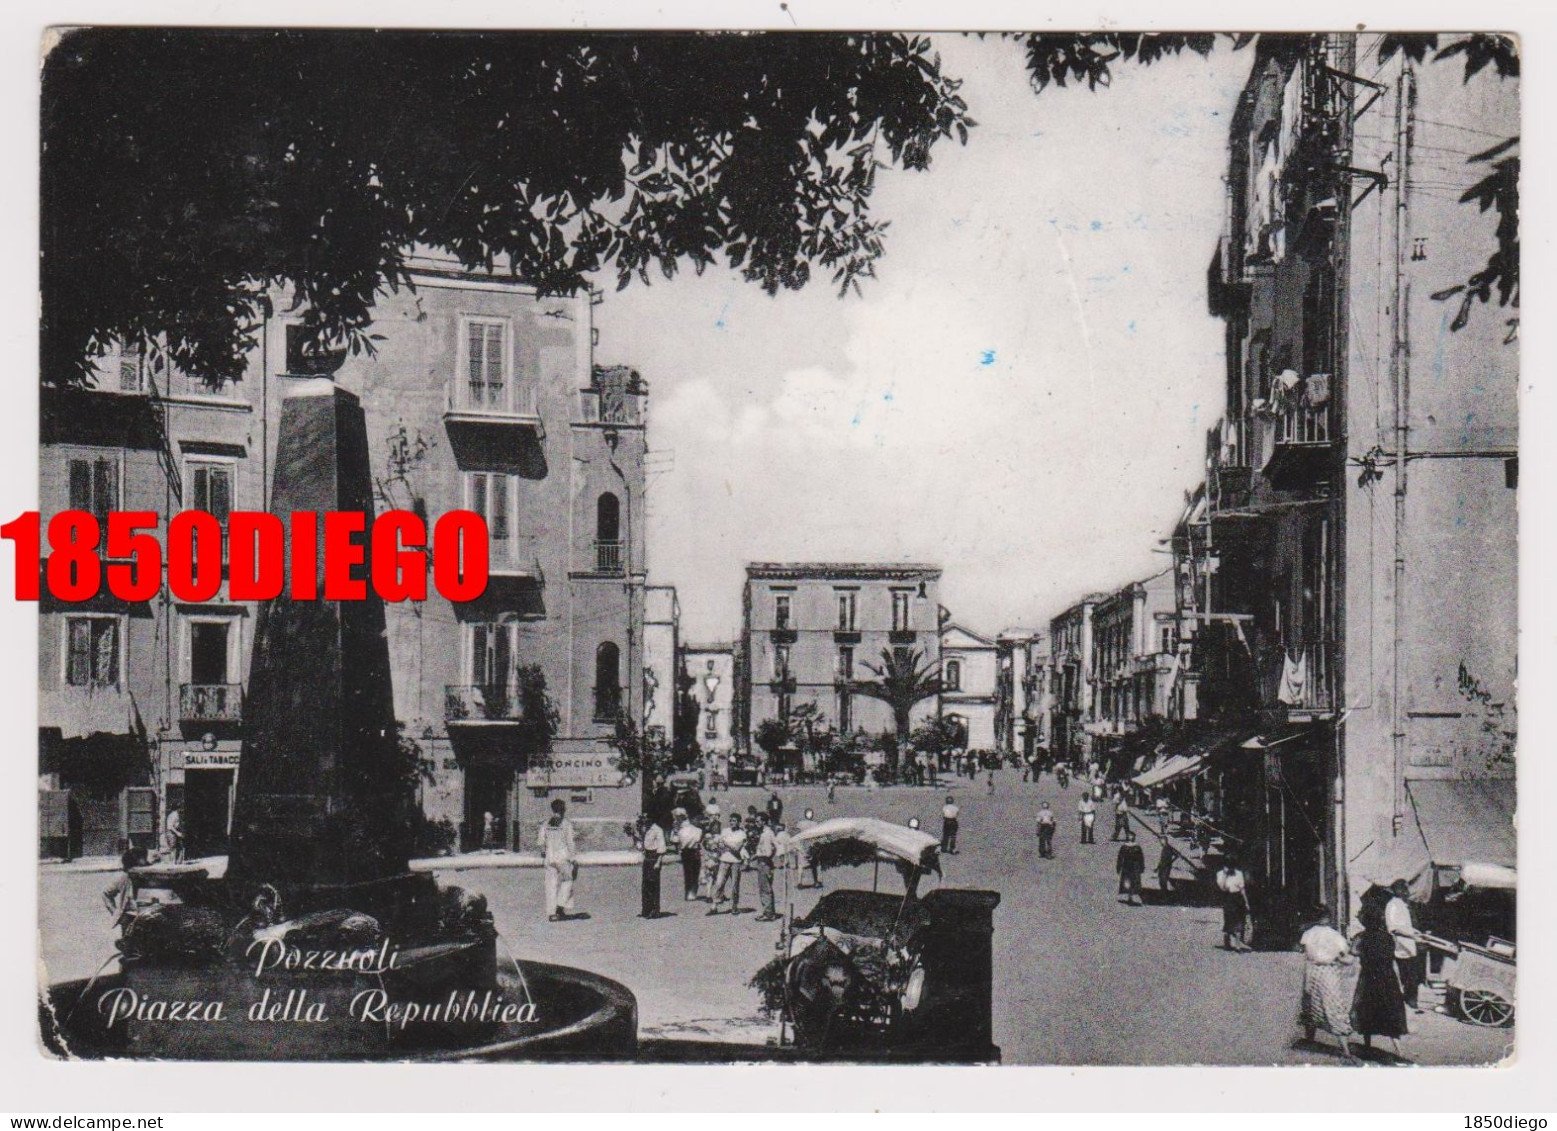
point(869, 975)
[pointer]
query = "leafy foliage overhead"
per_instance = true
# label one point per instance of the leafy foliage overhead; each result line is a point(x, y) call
point(186, 173)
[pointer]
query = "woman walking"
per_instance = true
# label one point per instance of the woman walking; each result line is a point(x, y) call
point(1325, 1004)
point(1234, 886)
point(1379, 1007)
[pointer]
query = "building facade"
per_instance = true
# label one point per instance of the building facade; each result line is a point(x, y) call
point(709, 671)
point(480, 396)
point(141, 705)
point(1349, 565)
point(808, 629)
point(1135, 663)
point(662, 667)
point(970, 681)
point(1071, 680)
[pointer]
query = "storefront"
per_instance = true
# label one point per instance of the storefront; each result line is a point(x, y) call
point(95, 784)
point(201, 780)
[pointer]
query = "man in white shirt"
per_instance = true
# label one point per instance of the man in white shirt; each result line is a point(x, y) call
point(651, 840)
point(1086, 809)
point(803, 859)
point(732, 853)
point(762, 863)
point(1408, 960)
point(560, 857)
point(949, 815)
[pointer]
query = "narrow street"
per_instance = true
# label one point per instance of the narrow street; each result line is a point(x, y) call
point(1079, 977)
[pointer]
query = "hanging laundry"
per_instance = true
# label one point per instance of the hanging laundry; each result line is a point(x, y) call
point(1317, 389)
point(1294, 680)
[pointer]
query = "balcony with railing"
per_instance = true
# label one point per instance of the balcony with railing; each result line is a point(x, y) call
point(506, 403)
point(1298, 681)
point(609, 557)
point(210, 702)
point(1303, 445)
point(482, 703)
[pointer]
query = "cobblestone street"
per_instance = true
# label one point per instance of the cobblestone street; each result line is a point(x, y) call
point(1079, 978)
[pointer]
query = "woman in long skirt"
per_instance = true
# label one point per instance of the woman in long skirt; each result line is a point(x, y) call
point(1326, 1003)
point(708, 865)
point(1379, 1007)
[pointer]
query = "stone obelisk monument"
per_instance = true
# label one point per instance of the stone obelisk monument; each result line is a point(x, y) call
point(323, 801)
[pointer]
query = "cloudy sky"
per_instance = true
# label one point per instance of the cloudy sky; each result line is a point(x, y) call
point(1021, 396)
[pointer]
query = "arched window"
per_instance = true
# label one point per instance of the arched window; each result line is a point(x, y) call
point(608, 682)
point(608, 532)
point(608, 518)
point(953, 678)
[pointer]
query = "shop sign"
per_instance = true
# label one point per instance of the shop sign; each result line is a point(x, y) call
point(211, 759)
point(574, 770)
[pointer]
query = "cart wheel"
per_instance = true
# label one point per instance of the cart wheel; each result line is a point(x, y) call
point(1483, 1007)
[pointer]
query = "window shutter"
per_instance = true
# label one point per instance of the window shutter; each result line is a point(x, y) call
point(497, 515)
point(105, 657)
point(221, 493)
point(80, 485)
point(78, 663)
point(495, 357)
point(129, 370)
point(202, 489)
point(105, 488)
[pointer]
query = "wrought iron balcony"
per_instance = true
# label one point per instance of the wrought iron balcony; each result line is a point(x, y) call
point(1304, 444)
point(608, 557)
point(210, 702)
point(482, 703)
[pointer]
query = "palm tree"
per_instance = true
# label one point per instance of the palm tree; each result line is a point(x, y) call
point(904, 678)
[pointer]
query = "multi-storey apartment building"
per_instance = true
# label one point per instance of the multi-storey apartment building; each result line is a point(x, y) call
point(810, 627)
point(1071, 680)
point(141, 706)
point(1350, 564)
point(1134, 663)
point(480, 396)
point(970, 677)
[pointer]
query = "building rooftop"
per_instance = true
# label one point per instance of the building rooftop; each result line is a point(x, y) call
point(888, 570)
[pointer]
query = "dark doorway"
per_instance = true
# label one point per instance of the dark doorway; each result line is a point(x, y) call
point(207, 811)
point(486, 807)
point(208, 652)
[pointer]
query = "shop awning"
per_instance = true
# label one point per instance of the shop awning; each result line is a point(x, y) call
point(1466, 821)
point(1176, 767)
point(1188, 755)
point(80, 712)
point(1464, 824)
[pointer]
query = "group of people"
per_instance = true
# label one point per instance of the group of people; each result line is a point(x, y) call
point(1390, 969)
point(716, 851)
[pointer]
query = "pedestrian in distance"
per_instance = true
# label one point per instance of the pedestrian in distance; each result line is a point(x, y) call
point(775, 809)
point(711, 810)
point(763, 861)
point(1086, 809)
point(832, 791)
point(1131, 866)
point(688, 840)
point(1325, 1004)
point(1409, 962)
point(1062, 775)
point(1234, 886)
point(949, 815)
point(650, 840)
point(1164, 812)
point(992, 782)
point(1378, 1006)
point(1045, 831)
point(559, 858)
point(1121, 817)
point(1165, 869)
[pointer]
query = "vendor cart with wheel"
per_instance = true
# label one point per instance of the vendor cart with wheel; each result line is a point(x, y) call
point(1480, 988)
